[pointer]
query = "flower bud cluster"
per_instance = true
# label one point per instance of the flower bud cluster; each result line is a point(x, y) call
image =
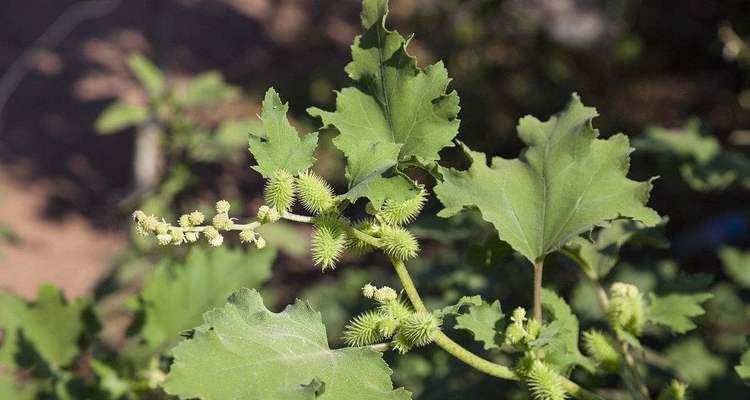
point(627, 309)
point(190, 228)
point(392, 320)
point(522, 331)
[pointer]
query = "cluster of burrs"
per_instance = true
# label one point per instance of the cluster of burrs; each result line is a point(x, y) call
point(543, 381)
point(333, 234)
point(393, 321)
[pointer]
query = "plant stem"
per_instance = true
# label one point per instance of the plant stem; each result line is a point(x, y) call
point(538, 272)
point(297, 218)
point(458, 351)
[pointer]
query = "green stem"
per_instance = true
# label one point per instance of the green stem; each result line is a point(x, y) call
point(297, 218)
point(538, 272)
point(471, 359)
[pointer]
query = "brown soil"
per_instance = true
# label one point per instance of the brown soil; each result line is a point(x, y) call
point(68, 252)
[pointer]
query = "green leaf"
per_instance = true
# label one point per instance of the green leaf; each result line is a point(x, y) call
point(11, 388)
point(676, 310)
point(209, 87)
point(694, 363)
point(561, 349)
point(29, 325)
point(379, 189)
point(118, 116)
point(147, 73)
point(12, 310)
point(395, 112)
point(566, 182)
point(743, 369)
point(203, 281)
point(736, 265)
point(704, 164)
point(455, 309)
point(281, 148)
point(599, 255)
point(245, 351)
point(482, 321)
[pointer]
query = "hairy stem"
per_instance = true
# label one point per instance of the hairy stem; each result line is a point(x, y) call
point(538, 272)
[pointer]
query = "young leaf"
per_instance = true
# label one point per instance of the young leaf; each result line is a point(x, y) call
point(118, 116)
point(245, 351)
point(482, 321)
point(395, 111)
point(675, 310)
point(204, 280)
point(281, 148)
point(566, 182)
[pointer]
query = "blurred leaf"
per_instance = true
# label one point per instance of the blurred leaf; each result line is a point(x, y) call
point(694, 363)
point(118, 116)
point(396, 112)
point(30, 325)
point(736, 265)
point(203, 281)
point(538, 202)
point(483, 322)
point(13, 389)
point(147, 73)
point(282, 148)
point(743, 369)
point(243, 350)
point(599, 255)
point(675, 311)
point(702, 161)
point(12, 309)
point(286, 237)
point(225, 142)
point(337, 300)
point(209, 87)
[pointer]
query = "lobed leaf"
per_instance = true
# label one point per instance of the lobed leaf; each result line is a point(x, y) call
point(245, 351)
point(483, 322)
point(281, 148)
point(395, 112)
point(566, 182)
point(27, 332)
point(675, 311)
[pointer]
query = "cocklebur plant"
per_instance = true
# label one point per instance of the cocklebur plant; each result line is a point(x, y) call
point(395, 118)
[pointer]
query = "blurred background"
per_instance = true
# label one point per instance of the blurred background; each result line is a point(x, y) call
point(89, 132)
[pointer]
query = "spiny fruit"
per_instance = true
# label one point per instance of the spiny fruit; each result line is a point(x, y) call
point(314, 193)
point(279, 192)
